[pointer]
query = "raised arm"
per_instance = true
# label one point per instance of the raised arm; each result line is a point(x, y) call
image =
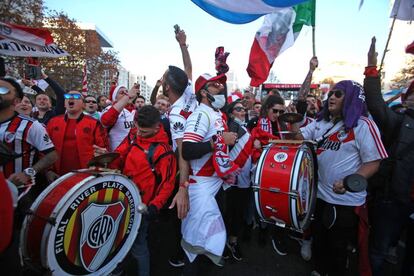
point(305, 88)
point(386, 119)
point(154, 92)
point(182, 41)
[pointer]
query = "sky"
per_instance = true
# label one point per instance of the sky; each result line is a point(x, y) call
point(143, 35)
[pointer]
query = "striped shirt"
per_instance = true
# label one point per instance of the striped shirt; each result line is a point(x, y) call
point(26, 137)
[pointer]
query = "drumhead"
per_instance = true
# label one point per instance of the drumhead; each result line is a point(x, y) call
point(95, 224)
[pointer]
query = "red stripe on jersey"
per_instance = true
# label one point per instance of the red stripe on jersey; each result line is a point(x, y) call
point(377, 139)
point(192, 137)
point(9, 168)
point(26, 147)
point(207, 169)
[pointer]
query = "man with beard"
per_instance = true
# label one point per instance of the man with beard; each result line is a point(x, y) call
point(205, 145)
point(75, 136)
point(393, 207)
point(27, 138)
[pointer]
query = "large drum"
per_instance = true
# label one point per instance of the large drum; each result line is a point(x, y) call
point(285, 184)
point(83, 223)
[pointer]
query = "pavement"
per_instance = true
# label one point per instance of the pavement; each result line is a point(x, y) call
point(258, 259)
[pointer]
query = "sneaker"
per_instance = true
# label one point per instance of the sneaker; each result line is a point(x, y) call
point(234, 250)
point(306, 250)
point(315, 273)
point(279, 247)
point(176, 262)
point(392, 256)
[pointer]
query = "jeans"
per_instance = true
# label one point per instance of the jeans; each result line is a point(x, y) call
point(140, 250)
point(388, 219)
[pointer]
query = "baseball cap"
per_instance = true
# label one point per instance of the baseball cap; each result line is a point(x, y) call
point(205, 78)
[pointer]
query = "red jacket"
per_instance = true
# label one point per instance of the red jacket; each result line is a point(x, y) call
point(135, 165)
point(89, 132)
point(6, 214)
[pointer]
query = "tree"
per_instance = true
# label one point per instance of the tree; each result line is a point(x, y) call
point(22, 12)
point(84, 47)
point(405, 76)
point(328, 81)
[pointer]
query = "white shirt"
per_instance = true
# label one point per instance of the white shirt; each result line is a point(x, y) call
point(179, 112)
point(201, 126)
point(342, 154)
point(121, 128)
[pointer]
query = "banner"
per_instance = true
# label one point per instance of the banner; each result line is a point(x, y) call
point(34, 36)
point(18, 49)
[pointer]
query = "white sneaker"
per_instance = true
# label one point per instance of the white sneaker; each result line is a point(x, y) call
point(306, 249)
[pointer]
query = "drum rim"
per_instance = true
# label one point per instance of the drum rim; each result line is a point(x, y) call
point(48, 228)
point(124, 251)
point(257, 181)
point(28, 219)
point(293, 186)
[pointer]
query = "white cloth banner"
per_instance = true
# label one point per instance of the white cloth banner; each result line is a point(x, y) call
point(13, 48)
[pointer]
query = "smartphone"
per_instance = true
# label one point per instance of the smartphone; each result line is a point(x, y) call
point(177, 28)
point(32, 68)
point(33, 72)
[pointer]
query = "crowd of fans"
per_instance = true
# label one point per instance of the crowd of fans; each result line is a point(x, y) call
point(214, 137)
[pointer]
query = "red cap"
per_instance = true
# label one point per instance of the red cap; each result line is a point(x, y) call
point(205, 78)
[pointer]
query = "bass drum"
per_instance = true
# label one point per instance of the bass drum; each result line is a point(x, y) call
point(83, 223)
point(285, 184)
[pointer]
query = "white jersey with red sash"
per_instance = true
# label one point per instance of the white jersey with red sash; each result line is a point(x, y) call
point(203, 228)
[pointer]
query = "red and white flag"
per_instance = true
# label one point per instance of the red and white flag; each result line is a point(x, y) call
point(85, 81)
point(35, 36)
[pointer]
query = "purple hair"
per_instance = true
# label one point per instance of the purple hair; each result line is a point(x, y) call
point(354, 105)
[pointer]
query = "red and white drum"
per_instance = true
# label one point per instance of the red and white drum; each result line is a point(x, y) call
point(285, 184)
point(83, 223)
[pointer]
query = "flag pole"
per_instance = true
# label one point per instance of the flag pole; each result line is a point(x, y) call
point(396, 8)
point(388, 41)
point(313, 41)
point(313, 23)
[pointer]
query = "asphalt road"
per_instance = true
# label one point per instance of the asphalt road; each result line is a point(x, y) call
point(259, 259)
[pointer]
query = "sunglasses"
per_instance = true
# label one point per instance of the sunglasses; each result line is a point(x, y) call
point(4, 90)
point(337, 93)
point(278, 111)
point(239, 109)
point(73, 96)
point(90, 101)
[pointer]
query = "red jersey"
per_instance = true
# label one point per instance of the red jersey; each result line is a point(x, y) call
point(88, 132)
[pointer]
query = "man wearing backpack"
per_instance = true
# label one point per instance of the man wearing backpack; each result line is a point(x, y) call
point(148, 160)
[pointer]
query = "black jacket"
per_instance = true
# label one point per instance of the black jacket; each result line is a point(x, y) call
point(397, 172)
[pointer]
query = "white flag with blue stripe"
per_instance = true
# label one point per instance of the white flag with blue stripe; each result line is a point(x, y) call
point(240, 12)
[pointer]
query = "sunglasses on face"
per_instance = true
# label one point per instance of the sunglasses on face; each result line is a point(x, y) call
point(4, 90)
point(337, 93)
point(73, 96)
point(278, 111)
point(90, 101)
point(239, 109)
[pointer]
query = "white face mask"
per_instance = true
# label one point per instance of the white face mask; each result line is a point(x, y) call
point(219, 101)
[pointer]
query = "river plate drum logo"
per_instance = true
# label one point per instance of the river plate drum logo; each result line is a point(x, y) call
point(94, 228)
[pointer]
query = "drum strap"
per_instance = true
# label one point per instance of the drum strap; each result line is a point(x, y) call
point(325, 136)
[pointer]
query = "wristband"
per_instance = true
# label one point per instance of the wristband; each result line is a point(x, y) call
point(184, 184)
point(371, 71)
